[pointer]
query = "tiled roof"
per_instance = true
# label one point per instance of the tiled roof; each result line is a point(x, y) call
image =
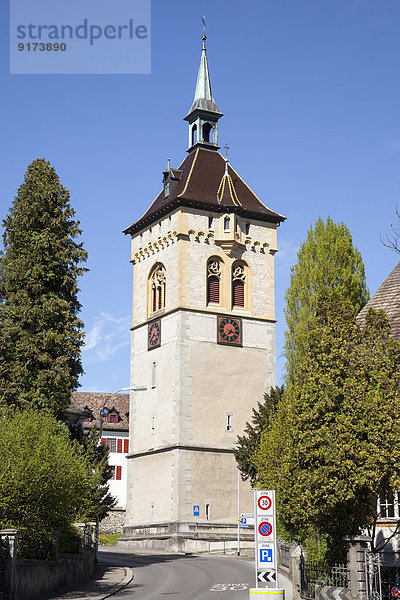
point(387, 297)
point(199, 184)
point(93, 401)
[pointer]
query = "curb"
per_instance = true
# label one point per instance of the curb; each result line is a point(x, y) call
point(120, 586)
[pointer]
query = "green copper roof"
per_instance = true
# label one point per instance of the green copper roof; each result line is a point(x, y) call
point(203, 99)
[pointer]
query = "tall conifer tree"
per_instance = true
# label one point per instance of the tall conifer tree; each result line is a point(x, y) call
point(327, 262)
point(40, 332)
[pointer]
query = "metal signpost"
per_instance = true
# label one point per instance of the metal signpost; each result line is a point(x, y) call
point(265, 546)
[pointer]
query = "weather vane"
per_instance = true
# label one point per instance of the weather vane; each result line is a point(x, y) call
point(203, 19)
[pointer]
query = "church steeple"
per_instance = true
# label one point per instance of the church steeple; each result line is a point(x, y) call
point(204, 113)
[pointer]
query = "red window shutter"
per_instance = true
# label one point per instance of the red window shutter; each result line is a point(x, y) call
point(119, 469)
point(238, 293)
point(126, 446)
point(103, 441)
point(119, 445)
point(213, 290)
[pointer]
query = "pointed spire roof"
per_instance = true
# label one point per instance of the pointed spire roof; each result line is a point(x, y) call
point(203, 100)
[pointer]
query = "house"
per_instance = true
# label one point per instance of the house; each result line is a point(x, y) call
point(86, 407)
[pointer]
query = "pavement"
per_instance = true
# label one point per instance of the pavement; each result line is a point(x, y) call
point(106, 580)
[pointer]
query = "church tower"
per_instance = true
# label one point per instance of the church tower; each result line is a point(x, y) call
point(203, 341)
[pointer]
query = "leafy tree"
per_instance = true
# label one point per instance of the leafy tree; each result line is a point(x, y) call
point(327, 262)
point(97, 454)
point(46, 481)
point(250, 440)
point(333, 444)
point(40, 332)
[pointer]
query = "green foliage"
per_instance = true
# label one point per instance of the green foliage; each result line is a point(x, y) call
point(250, 440)
point(333, 444)
point(46, 480)
point(327, 262)
point(40, 333)
point(70, 538)
point(97, 455)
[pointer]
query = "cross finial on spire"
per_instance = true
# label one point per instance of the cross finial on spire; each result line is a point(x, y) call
point(226, 150)
point(204, 37)
point(226, 159)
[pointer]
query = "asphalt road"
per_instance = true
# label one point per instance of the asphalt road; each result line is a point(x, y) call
point(179, 577)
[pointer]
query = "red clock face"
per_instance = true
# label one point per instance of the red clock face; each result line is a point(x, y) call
point(229, 331)
point(154, 335)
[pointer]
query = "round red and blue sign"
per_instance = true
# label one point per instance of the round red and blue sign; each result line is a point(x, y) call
point(265, 528)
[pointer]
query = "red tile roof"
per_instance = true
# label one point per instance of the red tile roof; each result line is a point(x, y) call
point(93, 401)
point(200, 182)
point(387, 297)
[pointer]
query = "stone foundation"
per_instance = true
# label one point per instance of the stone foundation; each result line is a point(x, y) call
point(187, 537)
point(113, 522)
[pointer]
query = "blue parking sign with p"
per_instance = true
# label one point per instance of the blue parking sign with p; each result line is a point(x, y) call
point(265, 555)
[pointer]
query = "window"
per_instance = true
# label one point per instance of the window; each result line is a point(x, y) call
point(154, 374)
point(112, 418)
point(206, 132)
point(388, 506)
point(210, 222)
point(111, 443)
point(229, 422)
point(247, 228)
point(227, 223)
point(158, 287)
point(153, 424)
point(166, 190)
point(208, 511)
point(116, 472)
point(194, 134)
point(213, 281)
point(238, 283)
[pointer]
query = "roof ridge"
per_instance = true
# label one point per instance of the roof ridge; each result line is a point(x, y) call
point(190, 174)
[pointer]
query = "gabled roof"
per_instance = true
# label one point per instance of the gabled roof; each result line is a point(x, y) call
point(387, 297)
point(199, 186)
point(82, 402)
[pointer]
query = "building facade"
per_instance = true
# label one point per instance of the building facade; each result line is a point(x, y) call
point(86, 407)
point(203, 341)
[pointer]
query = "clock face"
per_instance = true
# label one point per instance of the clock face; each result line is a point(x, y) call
point(229, 331)
point(154, 335)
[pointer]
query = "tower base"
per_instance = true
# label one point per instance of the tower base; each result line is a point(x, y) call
point(187, 537)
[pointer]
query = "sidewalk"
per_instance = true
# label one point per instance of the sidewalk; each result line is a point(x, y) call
point(105, 581)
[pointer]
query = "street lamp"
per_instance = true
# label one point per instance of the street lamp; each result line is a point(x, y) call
point(105, 410)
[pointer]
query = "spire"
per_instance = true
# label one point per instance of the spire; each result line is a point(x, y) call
point(204, 112)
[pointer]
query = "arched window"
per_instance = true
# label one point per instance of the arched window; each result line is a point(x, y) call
point(206, 132)
point(194, 134)
point(213, 281)
point(158, 288)
point(238, 283)
point(227, 223)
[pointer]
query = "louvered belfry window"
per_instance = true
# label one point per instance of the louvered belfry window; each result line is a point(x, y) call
point(158, 288)
point(238, 285)
point(213, 281)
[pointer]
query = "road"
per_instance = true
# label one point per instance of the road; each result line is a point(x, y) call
point(183, 577)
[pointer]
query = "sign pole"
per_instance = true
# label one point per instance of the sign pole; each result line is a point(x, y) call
point(238, 503)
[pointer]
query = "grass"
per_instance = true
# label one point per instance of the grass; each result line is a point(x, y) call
point(109, 539)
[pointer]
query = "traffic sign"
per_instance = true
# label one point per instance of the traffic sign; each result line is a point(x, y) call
point(265, 528)
point(196, 510)
point(267, 576)
point(266, 555)
point(265, 538)
point(264, 502)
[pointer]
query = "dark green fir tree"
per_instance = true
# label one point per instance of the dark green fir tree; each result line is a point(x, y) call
point(41, 334)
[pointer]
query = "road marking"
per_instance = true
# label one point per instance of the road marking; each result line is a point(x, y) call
point(229, 587)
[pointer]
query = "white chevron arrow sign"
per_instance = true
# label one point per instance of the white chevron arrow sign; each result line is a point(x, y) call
point(266, 576)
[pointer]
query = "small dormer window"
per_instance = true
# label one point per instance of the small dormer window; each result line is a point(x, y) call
point(166, 190)
point(227, 223)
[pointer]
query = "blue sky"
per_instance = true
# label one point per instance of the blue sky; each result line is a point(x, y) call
point(310, 91)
